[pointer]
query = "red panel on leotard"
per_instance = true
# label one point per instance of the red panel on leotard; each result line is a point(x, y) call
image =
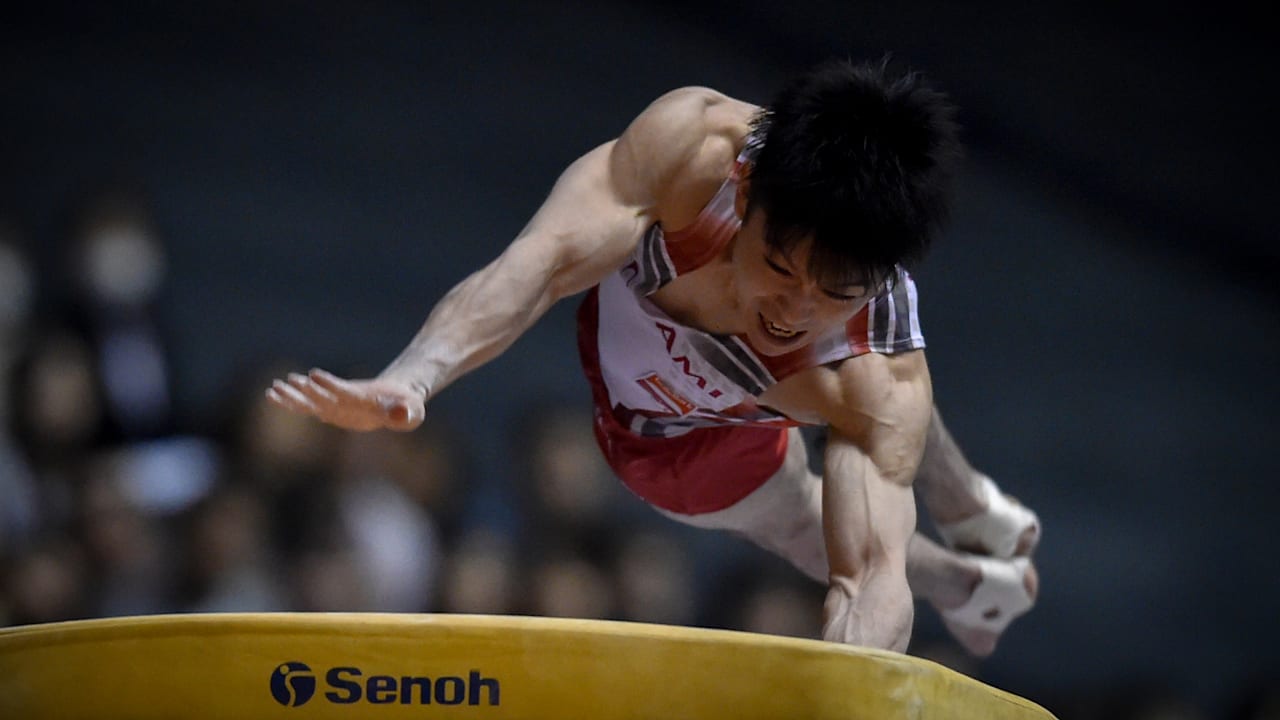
point(701, 471)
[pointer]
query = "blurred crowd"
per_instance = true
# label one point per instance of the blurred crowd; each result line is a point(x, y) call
point(110, 507)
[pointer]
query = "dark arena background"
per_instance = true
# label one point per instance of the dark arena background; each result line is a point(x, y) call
point(197, 196)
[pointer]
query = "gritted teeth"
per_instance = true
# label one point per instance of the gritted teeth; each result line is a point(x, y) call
point(780, 332)
point(777, 330)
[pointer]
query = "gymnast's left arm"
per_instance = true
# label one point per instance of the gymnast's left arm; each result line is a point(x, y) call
point(879, 412)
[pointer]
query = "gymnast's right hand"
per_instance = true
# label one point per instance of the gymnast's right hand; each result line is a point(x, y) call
point(351, 404)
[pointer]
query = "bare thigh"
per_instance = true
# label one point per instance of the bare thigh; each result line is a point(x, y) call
point(783, 516)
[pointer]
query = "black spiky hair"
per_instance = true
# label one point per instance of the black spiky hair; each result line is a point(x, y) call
point(859, 158)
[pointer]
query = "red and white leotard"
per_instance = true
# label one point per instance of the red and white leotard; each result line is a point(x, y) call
point(676, 411)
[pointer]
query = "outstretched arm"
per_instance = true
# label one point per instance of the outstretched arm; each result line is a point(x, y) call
point(877, 436)
point(590, 222)
point(585, 228)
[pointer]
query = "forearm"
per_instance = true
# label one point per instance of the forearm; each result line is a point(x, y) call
point(586, 228)
point(868, 521)
point(476, 321)
point(877, 611)
point(869, 510)
point(948, 485)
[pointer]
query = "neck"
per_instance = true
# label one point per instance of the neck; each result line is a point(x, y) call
point(704, 299)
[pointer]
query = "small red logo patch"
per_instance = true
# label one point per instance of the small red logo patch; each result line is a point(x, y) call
point(674, 402)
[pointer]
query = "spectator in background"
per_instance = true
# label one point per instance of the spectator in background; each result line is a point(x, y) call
point(369, 510)
point(395, 540)
point(327, 579)
point(766, 597)
point(569, 581)
point(267, 447)
point(117, 263)
point(104, 496)
point(46, 582)
point(653, 578)
point(567, 487)
point(777, 608)
point(57, 417)
point(482, 574)
point(20, 507)
point(231, 565)
point(130, 553)
point(571, 509)
point(432, 469)
point(289, 461)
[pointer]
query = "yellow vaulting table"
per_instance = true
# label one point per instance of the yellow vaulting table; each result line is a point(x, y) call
point(356, 665)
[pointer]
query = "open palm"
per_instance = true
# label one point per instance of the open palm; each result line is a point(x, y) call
point(350, 404)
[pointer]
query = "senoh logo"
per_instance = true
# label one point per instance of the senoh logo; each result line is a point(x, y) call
point(293, 684)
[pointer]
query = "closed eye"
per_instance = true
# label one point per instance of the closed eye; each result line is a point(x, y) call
point(843, 297)
point(777, 268)
point(856, 294)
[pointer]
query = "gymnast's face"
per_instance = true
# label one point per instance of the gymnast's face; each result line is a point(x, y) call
point(782, 306)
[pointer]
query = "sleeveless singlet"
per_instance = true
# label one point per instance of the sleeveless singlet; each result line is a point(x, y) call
point(654, 381)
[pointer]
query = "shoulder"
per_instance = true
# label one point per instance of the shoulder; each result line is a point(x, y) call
point(690, 117)
point(880, 402)
point(683, 145)
point(830, 393)
point(875, 388)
